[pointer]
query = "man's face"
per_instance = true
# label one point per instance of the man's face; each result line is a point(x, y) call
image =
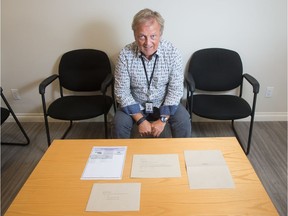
point(147, 36)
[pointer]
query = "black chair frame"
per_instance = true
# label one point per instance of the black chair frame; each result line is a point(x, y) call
point(108, 81)
point(191, 90)
point(42, 87)
point(10, 110)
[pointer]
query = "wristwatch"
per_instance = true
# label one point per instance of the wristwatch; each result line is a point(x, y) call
point(163, 119)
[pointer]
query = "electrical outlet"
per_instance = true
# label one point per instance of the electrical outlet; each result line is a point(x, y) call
point(269, 92)
point(15, 94)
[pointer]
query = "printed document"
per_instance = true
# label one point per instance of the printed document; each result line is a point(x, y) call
point(105, 163)
point(106, 197)
point(207, 169)
point(155, 166)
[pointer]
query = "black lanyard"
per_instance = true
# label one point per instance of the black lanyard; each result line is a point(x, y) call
point(149, 81)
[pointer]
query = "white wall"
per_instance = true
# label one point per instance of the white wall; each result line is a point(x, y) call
point(35, 33)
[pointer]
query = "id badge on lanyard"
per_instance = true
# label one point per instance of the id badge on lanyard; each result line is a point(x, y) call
point(148, 104)
point(149, 107)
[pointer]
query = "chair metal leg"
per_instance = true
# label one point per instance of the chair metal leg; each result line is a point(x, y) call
point(247, 150)
point(17, 121)
point(21, 128)
point(48, 133)
point(114, 101)
point(47, 130)
point(106, 128)
point(250, 134)
point(68, 129)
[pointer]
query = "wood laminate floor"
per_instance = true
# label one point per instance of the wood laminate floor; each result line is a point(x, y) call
point(268, 153)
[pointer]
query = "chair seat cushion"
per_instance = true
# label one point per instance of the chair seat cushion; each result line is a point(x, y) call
point(4, 114)
point(221, 107)
point(79, 107)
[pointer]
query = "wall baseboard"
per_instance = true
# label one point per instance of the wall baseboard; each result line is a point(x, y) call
point(259, 116)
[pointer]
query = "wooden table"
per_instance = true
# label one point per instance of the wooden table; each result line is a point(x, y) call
point(54, 187)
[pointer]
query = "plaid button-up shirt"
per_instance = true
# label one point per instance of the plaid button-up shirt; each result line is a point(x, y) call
point(166, 88)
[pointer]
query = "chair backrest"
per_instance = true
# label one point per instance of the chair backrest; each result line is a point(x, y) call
point(83, 69)
point(216, 69)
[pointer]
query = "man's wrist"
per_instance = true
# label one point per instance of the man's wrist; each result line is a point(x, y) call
point(141, 120)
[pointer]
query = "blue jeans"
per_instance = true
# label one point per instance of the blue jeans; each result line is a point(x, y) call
point(180, 124)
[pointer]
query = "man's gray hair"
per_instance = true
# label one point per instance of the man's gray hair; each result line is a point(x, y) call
point(146, 15)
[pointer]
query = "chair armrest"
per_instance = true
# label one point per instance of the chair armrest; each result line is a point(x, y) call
point(253, 82)
point(107, 82)
point(190, 82)
point(46, 82)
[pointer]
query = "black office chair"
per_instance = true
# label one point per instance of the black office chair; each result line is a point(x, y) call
point(86, 73)
point(217, 71)
point(5, 113)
